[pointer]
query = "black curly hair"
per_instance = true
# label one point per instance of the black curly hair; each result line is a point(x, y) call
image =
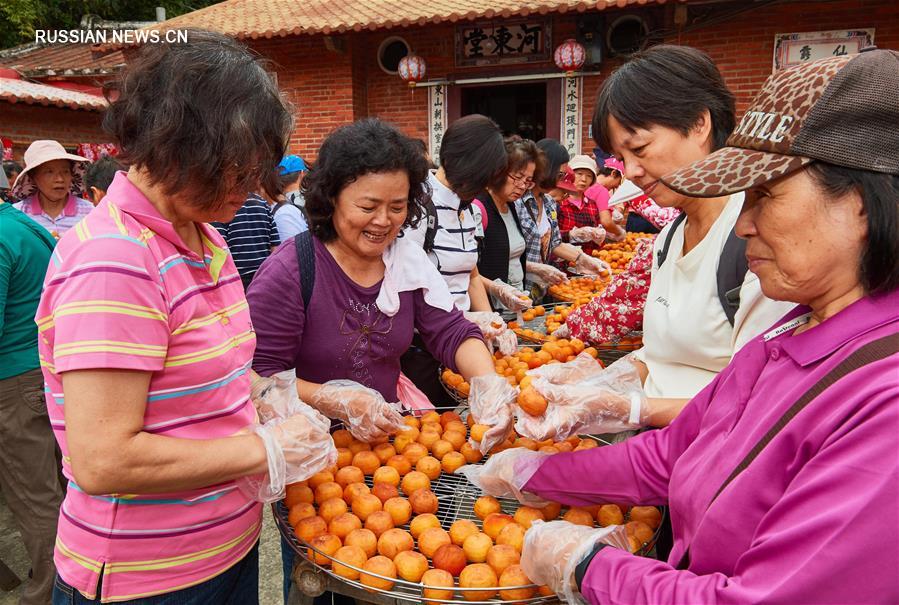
point(369, 146)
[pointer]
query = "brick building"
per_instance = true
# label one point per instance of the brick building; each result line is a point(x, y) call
point(332, 57)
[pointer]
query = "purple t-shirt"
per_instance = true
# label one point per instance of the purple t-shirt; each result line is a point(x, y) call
point(343, 334)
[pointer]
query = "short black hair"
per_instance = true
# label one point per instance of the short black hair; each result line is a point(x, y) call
point(11, 167)
point(286, 180)
point(666, 85)
point(100, 173)
point(204, 118)
point(369, 146)
point(556, 155)
point(472, 154)
point(879, 191)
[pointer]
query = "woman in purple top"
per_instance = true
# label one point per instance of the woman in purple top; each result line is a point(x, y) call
point(365, 188)
point(782, 486)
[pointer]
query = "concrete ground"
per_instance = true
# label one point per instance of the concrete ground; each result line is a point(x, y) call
point(13, 554)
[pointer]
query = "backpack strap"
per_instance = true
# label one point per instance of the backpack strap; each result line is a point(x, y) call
point(866, 354)
point(662, 254)
point(430, 224)
point(732, 268)
point(306, 263)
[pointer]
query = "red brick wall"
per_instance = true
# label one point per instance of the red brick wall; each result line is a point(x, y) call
point(26, 123)
point(330, 88)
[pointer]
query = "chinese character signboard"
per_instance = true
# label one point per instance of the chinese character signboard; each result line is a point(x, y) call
point(793, 49)
point(571, 115)
point(436, 120)
point(489, 43)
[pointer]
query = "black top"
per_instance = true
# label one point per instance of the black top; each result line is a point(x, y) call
point(493, 260)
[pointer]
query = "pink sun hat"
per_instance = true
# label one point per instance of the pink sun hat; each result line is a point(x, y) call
point(41, 152)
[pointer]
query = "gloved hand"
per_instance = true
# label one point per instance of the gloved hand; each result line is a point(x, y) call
point(607, 401)
point(618, 217)
point(274, 396)
point(490, 402)
point(546, 274)
point(617, 237)
point(296, 447)
point(580, 235)
point(506, 473)
point(588, 265)
point(552, 551)
point(363, 411)
point(512, 298)
point(495, 331)
point(562, 331)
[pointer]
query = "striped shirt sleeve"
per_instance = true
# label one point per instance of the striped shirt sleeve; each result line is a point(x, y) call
point(103, 307)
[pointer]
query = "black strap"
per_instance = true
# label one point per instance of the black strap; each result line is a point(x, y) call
point(732, 268)
point(306, 264)
point(430, 223)
point(867, 354)
point(662, 254)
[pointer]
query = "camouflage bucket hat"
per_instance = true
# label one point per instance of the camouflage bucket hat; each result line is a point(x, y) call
point(842, 110)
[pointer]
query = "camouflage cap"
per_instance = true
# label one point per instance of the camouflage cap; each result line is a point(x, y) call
point(841, 110)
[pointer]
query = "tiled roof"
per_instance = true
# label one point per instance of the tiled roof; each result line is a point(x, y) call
point(270, 18)
point(20, 91)
point(61, 60)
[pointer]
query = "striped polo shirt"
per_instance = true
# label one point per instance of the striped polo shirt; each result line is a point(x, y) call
point(455, 251)
point(75, 209)
point(250, 235)
point(123, 291)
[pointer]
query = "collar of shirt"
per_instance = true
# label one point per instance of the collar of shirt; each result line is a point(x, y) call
point(130, 200)
point(33, 205)
point(577, 203)
point(860, 317)
point(442, 192)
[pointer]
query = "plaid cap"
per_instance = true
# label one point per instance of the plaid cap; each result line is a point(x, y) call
point(842, 110)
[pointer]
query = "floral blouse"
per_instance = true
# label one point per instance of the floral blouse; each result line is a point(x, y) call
point(655, 214)
point(619, 309)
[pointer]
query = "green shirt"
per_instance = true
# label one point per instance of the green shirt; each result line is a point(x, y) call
point(25, 249)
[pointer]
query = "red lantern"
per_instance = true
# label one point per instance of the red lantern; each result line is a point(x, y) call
point(570, 56)
point(412, 69)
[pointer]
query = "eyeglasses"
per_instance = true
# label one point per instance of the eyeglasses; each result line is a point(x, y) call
point(522, 180)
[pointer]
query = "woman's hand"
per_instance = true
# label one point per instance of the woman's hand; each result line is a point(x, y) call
point(494, 329)
point(588, 265)
point(296, 448)
point(490, 403)
point(512, 298)
point(505, 474)
point(581, 235)
point(363, 411)
point(546, 274)
point(552, 551)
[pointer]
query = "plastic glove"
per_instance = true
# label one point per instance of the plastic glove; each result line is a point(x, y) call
point(505, 474)
point(580, 368)
point(552, 551)
point(589, 265)
point(495, 331)
point(562, 331)
point(274, 396)
point(490, 403)
point(363, 411)
point(618, 217)
point(512, 298)
point(546, 274)
point(581, 235)
point(609, 401)
point(507, 342)
point(296, 448)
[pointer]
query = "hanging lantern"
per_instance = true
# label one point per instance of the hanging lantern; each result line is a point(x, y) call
point(412, 69)
point(570, 56)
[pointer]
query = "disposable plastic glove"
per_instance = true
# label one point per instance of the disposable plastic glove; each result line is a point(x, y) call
point(581, 235)
point(546, 274)
point(364, 411)
point(512, 298)
point(562, 331)
point(495, 331)
point(273, 396)
point(589, 265)
point(505, 474)
point(580, 368)
point(618, 217)
point(610, 401)
point(490, 403)
point(297, 446)
point(552, 551)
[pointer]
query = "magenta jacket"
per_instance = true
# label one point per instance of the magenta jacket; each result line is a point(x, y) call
point(814, 519)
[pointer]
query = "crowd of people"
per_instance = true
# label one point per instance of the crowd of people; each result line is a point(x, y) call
point(151, 304)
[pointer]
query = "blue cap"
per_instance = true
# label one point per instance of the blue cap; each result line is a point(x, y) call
point(291, 164)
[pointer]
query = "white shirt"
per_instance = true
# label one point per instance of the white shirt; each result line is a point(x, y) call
point(289, 221)
point(687, 339)
point(455, 251)
point(516, 249)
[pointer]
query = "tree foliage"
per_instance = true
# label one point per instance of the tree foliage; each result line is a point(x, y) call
point(20, 18)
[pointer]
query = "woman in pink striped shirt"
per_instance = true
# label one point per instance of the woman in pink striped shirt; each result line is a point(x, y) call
point(146, 345)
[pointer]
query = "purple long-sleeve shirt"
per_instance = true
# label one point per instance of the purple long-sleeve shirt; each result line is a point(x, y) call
point(814, 519)
point(343, 334)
